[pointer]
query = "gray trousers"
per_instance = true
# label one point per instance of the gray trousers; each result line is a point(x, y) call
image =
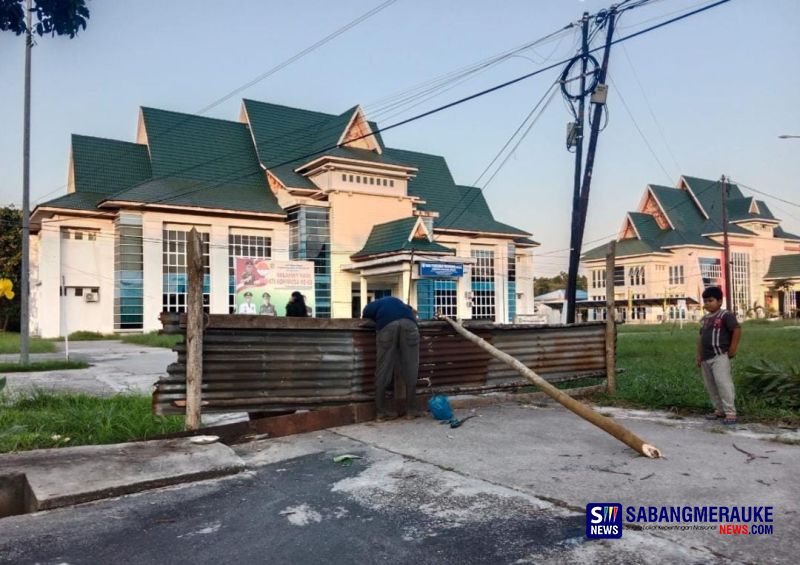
point(397, 348)
point(719, 383)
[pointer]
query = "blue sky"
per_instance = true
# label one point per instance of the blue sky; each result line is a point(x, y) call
point(722, 85)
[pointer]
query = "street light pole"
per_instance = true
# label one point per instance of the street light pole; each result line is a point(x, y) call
point(726, 252)
point(24, 286)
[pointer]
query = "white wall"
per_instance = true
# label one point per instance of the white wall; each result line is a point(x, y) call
point(82, 263)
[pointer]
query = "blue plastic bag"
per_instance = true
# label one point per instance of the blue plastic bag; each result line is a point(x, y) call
point(440, 407)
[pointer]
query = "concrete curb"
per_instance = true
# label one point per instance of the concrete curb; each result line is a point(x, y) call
point(51, 478)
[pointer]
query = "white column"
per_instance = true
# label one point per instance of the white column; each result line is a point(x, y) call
point(362, 282)
point(48, 309)
point(405, 284)
point(500, 283)
point(218, 266)
point(152, 235)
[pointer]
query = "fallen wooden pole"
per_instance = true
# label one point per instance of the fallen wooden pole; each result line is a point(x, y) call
point(606, 424)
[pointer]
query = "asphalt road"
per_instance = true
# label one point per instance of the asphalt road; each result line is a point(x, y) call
point(382, 509)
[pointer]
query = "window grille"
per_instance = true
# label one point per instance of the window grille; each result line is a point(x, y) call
point(173, 268)
point(483, 292)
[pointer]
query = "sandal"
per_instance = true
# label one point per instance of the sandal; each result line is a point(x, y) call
point(729, 421)
point(714, 416)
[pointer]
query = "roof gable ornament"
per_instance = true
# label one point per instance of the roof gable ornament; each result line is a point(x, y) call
point(754, 209)
point(359, 134)
point(420, 232)
point(651, 205)
point(629, 230)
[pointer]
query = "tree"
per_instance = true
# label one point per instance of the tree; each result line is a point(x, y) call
point(10, 261)
point(54, 17)
point(543, 285)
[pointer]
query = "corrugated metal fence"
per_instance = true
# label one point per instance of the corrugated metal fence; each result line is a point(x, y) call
point(257, 363)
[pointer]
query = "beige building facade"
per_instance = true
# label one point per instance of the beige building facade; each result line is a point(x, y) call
point(671, 248)
point(280, 183)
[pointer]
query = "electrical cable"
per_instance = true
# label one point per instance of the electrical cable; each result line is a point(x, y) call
point(475, 95)
point(282, 65)
point(636, 125)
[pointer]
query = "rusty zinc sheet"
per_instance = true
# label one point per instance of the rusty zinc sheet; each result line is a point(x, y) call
point(257, 363)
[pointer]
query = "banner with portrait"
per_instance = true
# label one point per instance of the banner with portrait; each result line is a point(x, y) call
point(264, 286)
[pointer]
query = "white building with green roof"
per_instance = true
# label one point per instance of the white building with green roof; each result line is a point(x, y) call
point(670, 249)
point(280, 183)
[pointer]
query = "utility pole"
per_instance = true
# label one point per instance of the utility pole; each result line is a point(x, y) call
point(726, 251)
point(24, 279)
point(580, 208)
point(574, 244)
point(599, 100)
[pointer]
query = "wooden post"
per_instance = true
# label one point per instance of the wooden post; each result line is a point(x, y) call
point(194, 329)
point(606, 424)
point(611, 325)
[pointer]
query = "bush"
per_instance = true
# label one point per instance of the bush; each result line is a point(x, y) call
point(775, 384)
point(84, 335)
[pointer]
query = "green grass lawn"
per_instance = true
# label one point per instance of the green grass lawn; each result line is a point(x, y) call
point(660, 371)
point(44, 419)
point(153, 339)
point(9, 343)
point(51, 365)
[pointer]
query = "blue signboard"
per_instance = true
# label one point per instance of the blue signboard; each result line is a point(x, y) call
point(441, 269)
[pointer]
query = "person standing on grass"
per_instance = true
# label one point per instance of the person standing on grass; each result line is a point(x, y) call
point(720, 333)
point(397, 347)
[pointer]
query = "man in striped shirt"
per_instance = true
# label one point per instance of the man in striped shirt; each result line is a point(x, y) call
point(719, 339)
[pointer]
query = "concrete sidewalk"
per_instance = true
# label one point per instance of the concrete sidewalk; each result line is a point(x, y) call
point(552, 461)
point(116, 367)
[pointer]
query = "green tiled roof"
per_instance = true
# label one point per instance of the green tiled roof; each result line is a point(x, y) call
point(691, 227)
point(708, 192)
point(393, 237)
point(76, 201)
point(363, 155)
point(203, 194)
point(679, 208)
point(784, 267)
point(739, 208)
point(283, 134)
point(329, 134)
point(459, 207)
point(780, 233)
point(624, 248)
point(206, 149)
point(646, 225)
point(286, 137)
point(105, 166)
point(201, 162)
point(526, 241)
point(671, 238)
point(765, 211)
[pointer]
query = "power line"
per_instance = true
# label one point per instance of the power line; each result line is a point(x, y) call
point(301, 132)
point(279, 66)
point(778, 198)
point(451, 104)
point(641, 133)
point(650, 108)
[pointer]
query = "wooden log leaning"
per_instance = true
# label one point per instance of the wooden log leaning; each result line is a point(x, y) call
point(606, 424)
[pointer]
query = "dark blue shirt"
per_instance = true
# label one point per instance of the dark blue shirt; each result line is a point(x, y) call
point(386, 310)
